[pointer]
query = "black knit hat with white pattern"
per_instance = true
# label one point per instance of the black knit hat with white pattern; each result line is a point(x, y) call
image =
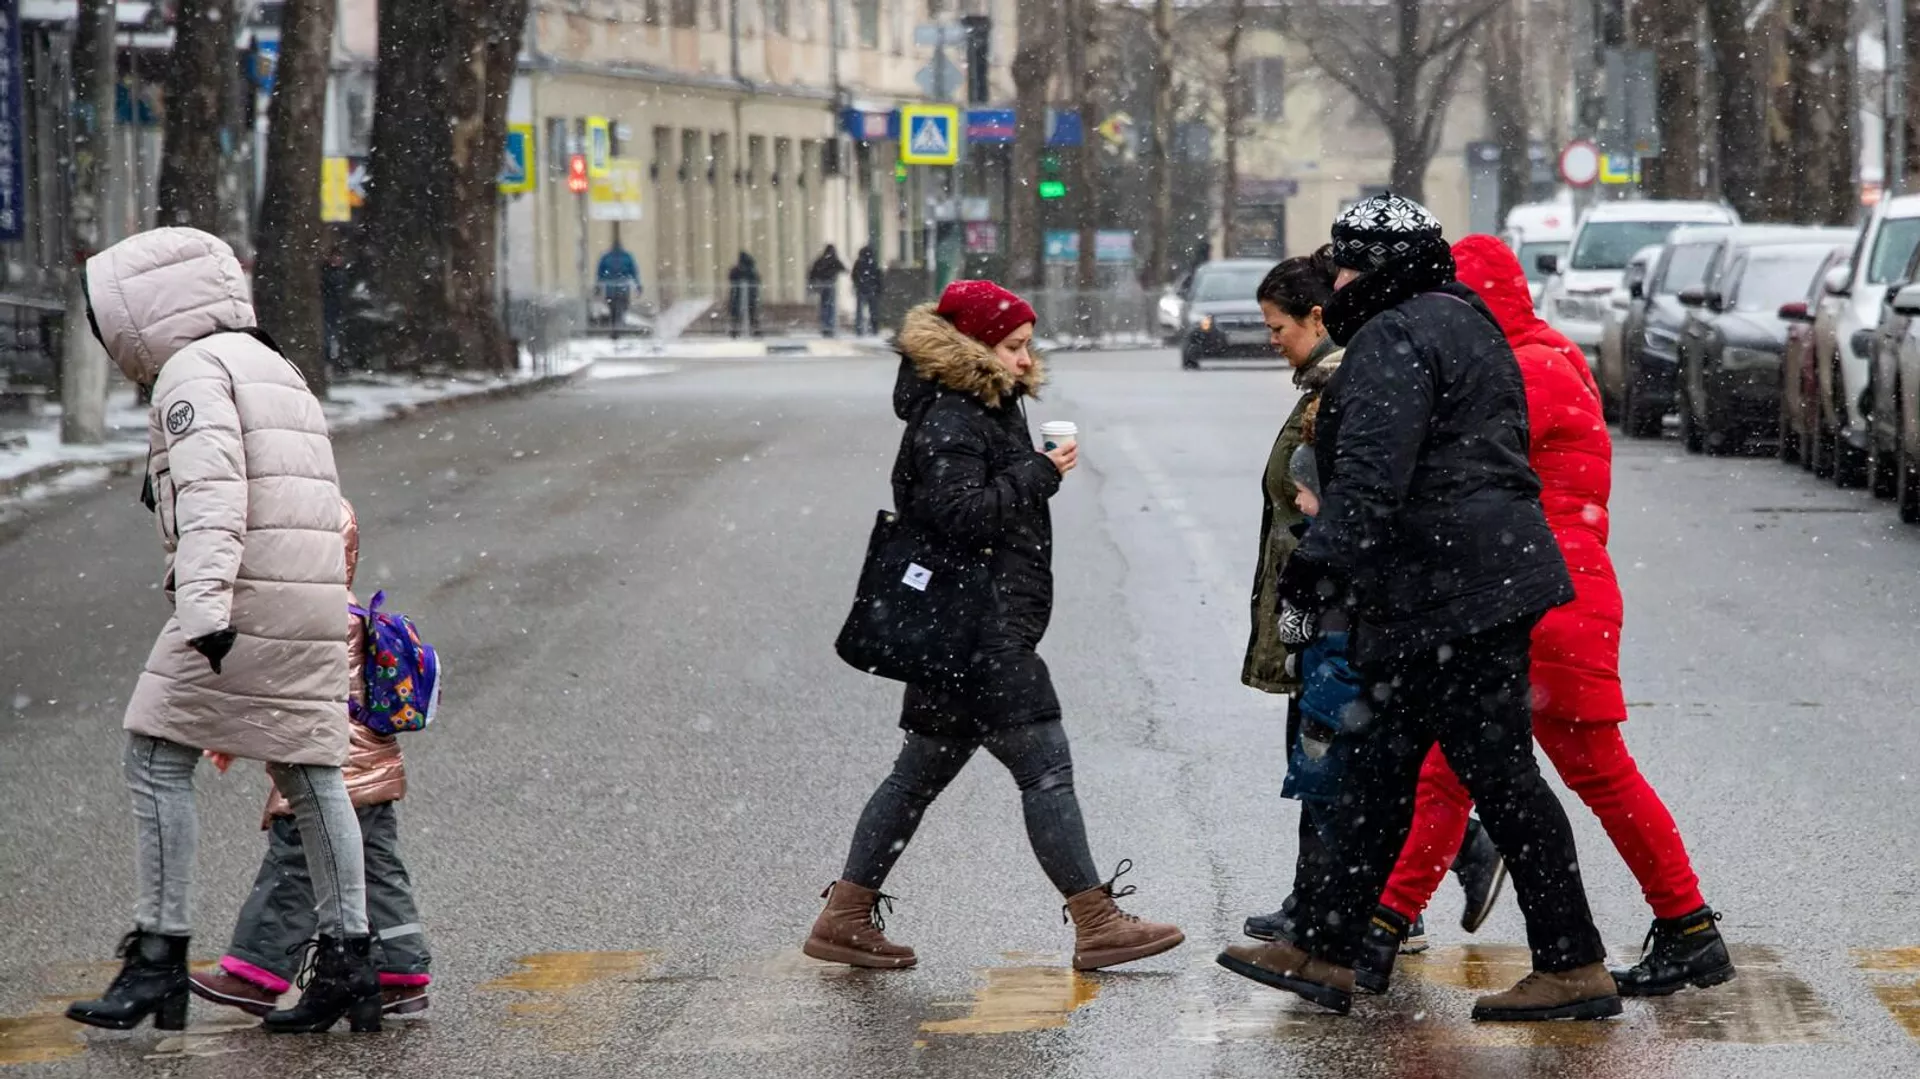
point(1385, 228)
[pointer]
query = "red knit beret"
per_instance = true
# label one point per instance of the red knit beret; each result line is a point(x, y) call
point(984, 311)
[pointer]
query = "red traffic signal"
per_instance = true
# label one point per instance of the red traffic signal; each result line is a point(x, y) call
point(577, 174)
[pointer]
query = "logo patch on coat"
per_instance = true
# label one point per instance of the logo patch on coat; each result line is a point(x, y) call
point(179, 418)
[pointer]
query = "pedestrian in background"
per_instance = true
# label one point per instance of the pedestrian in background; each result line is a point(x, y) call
point(618, 277)
point(823, 277)
point(263, 958)
point(252, 662)
point(867, 280)
point(743, 296)
point(967, 472)
point(1578, 704)
point(1432, 535)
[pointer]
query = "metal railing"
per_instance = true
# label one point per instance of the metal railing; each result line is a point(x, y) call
point(544, 325)
point(1123, 315)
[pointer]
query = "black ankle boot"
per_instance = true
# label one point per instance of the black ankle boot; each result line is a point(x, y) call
point(1373, 960)
point(1678, 952)
point(1481, 871)
point(343, 983)
point(1282, 925)
point(152, 981)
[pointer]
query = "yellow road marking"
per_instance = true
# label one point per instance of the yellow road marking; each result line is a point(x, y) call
point(1895, 976)
point(563, 997)
point(1017, 999)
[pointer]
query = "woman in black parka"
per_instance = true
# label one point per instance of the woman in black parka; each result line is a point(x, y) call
point(1431, 535)
point(967, 471)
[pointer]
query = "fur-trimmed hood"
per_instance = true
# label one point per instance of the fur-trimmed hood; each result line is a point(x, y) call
point(943, 357)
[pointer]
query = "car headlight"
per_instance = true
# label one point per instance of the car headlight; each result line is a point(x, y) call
point(1747, 358)
point(1657, 336)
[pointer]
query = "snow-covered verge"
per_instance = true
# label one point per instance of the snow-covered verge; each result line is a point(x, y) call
point(34, 463)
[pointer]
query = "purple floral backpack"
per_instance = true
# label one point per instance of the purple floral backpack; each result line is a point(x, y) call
point(403, 673)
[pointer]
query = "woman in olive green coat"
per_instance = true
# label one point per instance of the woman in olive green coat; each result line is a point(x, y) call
point(1291, 298)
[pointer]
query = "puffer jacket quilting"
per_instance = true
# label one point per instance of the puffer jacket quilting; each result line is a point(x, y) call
point(248, 501)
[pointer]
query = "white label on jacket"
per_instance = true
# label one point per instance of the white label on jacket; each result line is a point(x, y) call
point(918, 577)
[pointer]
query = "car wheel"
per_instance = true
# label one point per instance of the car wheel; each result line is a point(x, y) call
point(1610, 411)
point(1690, 434)
point(1849, 464)
point(1906, 483)
point(1718, 438)
point(1788, 448)
point(1820, 459)
point(1637, 419)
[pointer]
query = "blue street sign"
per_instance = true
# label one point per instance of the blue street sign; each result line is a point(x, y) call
point(1063, 129)
point(13, 134)
point(930, 134)
point(516, 170)
point(266, 61)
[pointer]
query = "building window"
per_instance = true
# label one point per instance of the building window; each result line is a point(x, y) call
point(650, 12)
point(868, 12)
point(716, 15)
point(686, 13)
point(1266, 89)
point(778, 17)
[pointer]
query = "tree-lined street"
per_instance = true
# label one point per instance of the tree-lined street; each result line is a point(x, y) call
point(649, 758)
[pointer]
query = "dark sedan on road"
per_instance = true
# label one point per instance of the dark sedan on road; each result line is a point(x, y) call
point(1731, 348)
point(1222, 317)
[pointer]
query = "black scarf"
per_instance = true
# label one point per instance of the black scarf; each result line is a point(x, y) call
point(1425, 269)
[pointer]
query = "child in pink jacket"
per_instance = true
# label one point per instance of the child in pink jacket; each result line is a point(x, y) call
point(278, 916)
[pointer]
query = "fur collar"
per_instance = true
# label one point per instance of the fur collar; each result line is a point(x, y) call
point(941, 354)
point(1319, 370)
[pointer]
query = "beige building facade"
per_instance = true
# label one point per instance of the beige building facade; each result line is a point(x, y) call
point(737, 116)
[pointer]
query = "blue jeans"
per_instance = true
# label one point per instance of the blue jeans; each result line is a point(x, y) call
point(829, 312)
point(167, 834)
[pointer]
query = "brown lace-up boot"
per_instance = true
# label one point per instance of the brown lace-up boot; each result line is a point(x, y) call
point(1106, 936)
point(851, 931)
point(1582, 993)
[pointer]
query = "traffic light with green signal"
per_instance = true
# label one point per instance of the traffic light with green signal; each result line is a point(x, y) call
point(1052, 186)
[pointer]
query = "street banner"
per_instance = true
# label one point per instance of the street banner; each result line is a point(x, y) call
point(616, 195)
point(13, 131)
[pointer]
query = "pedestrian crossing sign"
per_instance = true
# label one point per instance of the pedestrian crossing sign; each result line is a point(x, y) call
point(929, 134)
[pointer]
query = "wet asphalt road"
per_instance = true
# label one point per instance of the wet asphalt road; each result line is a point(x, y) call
point(650, 760)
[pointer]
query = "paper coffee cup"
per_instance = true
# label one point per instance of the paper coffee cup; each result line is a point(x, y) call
point(1057, 433)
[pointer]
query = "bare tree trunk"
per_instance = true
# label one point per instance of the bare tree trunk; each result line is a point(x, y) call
point(1504, 63)
point(1673, 32)
point(1032, 67)
point(1409, 170)
point(1158, 268)
point(291, 242)
point(1740, 140)
point(439, 124)
point(1233, 89)
point(1086, 183)
point(1912, 47)
point(83, 367)
point(197, 76)
point(479, 133)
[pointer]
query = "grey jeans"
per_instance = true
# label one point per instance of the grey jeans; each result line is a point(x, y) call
point(278, 915)
point(167, 833)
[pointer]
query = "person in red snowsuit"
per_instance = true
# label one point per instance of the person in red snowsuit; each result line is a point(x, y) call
point(1578, 705)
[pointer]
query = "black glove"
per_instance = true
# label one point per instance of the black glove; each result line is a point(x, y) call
point(215, 645)
point(1309, 586)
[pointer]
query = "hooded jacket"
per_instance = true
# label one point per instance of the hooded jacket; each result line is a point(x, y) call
point(1576, 648)
point(1265, 667)
point(247, 503)
point(1430, 515)
point(375, 771)
point(968, 471)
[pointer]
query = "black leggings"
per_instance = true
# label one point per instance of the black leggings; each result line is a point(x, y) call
point(1042, 767)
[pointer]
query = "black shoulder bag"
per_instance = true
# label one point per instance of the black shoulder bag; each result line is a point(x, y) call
point(920, 603)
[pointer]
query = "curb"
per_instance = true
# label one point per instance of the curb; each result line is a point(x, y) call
point(117, 467)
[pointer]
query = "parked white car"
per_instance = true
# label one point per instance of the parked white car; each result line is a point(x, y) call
point(1578, 286)
point(1534, 229)
point(1844, 329)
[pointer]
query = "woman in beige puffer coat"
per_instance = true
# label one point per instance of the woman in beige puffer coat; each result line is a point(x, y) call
point(251, 662)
